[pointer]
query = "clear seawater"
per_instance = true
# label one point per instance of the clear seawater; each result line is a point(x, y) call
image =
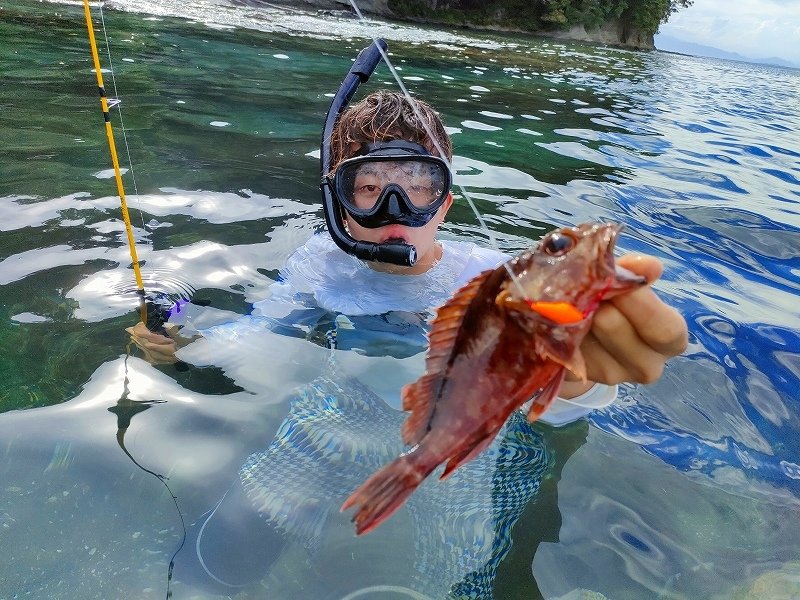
point(688, 488)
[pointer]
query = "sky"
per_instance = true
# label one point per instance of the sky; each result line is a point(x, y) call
point(753, 28)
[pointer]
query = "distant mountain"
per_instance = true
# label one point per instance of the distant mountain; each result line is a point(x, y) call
point(671, 44)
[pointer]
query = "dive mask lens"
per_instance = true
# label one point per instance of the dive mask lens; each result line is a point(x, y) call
point(363, 183)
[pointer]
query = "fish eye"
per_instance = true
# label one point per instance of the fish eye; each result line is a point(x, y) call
point(558, 244)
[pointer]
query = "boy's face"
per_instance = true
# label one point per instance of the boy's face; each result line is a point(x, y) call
point(422, 238)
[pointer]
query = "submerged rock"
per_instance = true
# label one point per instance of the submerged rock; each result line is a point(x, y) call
point(780, 584)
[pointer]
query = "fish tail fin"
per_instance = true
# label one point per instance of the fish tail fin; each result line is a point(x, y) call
point(387, 490)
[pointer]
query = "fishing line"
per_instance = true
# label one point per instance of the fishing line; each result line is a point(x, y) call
point(126, 409)
point(437, 145)
point(118, 104)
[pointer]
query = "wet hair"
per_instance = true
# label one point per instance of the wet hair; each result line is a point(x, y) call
point(384, 116)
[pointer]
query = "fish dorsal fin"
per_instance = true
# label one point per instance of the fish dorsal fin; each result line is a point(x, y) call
point(420, 397)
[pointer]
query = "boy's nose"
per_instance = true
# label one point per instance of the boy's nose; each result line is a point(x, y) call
point(394, 205)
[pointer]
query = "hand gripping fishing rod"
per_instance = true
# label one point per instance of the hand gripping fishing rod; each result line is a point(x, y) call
point(399, 254)
point(117, 174)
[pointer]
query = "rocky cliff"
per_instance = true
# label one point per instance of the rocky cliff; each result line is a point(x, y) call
point(613, 32)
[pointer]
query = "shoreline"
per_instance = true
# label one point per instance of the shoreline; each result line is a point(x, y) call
point(612, 33)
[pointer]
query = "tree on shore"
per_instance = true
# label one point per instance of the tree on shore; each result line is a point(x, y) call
point(544, 15)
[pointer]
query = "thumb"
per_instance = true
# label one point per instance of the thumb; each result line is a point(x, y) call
point(647, 266)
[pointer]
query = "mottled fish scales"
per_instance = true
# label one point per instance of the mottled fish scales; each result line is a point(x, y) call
point(421, 397)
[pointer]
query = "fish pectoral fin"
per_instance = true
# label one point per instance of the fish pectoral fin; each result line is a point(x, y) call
point(545, 398)
point(564, 354)
point(419, 398)
point(449, 319)
point(576, 365)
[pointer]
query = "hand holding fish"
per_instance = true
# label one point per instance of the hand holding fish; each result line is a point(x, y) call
point(512, 334)
point(632, 334)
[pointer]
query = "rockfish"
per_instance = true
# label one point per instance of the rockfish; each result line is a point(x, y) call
point(498, 342)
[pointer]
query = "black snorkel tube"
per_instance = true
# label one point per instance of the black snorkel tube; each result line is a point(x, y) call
point(394, 253)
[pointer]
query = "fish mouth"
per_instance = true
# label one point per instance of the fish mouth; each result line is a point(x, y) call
point(624, 279)
point(624, 276)
point(611, 232)
point(607, 241)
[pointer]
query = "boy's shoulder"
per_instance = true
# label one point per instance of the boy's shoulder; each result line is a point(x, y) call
point(467, 257)
point(474, 258)
point(339, 282)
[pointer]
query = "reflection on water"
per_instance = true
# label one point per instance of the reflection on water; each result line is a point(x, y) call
point(336, 434)
point(696, 533)
point(684, 489)
point(67, 484)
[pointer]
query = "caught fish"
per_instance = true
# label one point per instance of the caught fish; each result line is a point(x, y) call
point(499, 342)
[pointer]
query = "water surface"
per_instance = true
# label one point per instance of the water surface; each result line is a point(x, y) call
point(687, 488)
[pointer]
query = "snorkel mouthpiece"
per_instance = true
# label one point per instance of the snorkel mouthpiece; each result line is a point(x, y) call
point(394, 253)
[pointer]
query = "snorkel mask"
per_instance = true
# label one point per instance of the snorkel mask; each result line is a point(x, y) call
point(395, 182)
point(391, 183)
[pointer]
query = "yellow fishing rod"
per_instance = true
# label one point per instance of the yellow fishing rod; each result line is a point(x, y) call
point(117, 174)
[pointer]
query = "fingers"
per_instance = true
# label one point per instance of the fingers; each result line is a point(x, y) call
point(150, 338)
point(641, 264)
point(634, 334)
point(615, 352)
point(660, 326)
point(158, 358)
point(156, 347)
point(601, 365)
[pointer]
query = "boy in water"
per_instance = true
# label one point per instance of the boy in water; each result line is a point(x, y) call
point(632, 335)
point(392, 189)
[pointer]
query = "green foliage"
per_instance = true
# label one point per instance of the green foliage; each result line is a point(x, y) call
point(647, 15)
point(542, 15)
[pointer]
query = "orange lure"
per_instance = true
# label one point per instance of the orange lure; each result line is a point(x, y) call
point(493, 346)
